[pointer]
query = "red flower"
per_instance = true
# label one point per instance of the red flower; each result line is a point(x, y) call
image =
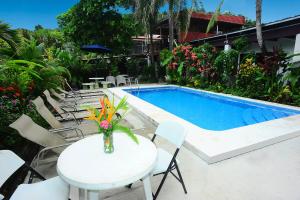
point(194, 56)
point(17, 94)
point(2, 89)
point(10, 88)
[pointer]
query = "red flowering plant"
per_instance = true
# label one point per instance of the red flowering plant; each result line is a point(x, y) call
point(185, 62)
point(182, 63)
point(206, 55)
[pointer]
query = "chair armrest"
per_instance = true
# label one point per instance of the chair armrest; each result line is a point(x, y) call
point(64, 108)
point(42, 151)
point(71, 128)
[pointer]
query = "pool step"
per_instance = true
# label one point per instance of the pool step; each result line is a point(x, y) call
point(247, 117)
point(257, 114)
point(278, 115)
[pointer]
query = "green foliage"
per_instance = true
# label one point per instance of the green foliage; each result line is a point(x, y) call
point(270, 77)
point(226, 66)
point(214, 18)
point(240, 44)
point(98, 22)
point(251, 73)
point(8, 35)
point(49, 38)
point(31, 78)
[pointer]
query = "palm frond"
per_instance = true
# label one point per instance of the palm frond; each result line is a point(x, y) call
point(214, 18)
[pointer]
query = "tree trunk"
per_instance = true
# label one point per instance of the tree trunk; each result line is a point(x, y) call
point(171, 24)
point(152, 50)
point(259, 27)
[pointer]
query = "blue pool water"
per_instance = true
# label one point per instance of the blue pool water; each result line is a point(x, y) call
point(210, 111)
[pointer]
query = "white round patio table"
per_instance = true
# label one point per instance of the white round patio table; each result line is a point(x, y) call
point(85, 165)
point(97, 79)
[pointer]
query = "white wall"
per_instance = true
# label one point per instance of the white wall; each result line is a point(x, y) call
point(297, 48)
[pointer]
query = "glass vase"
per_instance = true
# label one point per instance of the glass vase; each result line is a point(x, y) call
point(108, 143)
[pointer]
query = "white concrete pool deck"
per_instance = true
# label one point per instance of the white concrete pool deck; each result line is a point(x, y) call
point(214, 146)
point(270, 173)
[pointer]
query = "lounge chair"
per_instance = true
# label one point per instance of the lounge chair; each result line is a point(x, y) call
point(54, 123)
point(74, 100)
point(53, 188)
point(68, 111)
point(111, 80)
point(52, 140)
point(77, 94)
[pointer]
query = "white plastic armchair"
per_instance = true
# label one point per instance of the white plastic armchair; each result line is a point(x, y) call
point(121, 80)
point(53, 188)
point(112, 80)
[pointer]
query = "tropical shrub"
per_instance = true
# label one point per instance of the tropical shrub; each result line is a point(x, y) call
point(268, 77)
point(183, 64)
point(225, 66)
point(250, 78)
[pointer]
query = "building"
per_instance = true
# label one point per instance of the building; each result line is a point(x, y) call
point(197, 27)
point(284, 33)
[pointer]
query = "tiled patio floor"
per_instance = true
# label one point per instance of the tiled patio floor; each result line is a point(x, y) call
point(271, 173)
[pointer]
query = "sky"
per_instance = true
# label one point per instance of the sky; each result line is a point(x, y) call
point(28, 13)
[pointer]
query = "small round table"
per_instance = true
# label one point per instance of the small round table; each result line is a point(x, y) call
point(85, 165)
point(97, 79)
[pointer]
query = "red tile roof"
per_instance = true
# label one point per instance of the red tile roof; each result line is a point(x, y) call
point(222, 18)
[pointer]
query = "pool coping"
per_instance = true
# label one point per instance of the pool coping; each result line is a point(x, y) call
point(215, 146)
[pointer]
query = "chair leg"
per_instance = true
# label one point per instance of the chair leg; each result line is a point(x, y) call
point(161, 183)
point(180, 177)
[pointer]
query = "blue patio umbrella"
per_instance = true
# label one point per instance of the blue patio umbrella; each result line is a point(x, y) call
point(96, 48)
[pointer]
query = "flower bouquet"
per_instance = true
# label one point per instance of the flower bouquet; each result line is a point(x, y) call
point(108, 120)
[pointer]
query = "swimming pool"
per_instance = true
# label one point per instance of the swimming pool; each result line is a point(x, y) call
point(229, 125)
point(210, 111)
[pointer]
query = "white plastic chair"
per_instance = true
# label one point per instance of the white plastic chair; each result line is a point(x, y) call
point(175, 133)
point(121, 80)
point(53, 188)
point(111, 79)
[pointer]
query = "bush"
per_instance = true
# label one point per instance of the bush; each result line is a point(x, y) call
point(250, 79)
point(225, 66)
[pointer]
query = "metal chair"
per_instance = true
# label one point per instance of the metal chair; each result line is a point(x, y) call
point(53, 188)
point(66, 112)
point(175, 133)
point(53, 140)
point(55, 124)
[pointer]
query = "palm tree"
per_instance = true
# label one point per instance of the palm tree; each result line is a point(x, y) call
point(146, 12)
point(259, 27)
point(179, 9)
point(8, 35)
